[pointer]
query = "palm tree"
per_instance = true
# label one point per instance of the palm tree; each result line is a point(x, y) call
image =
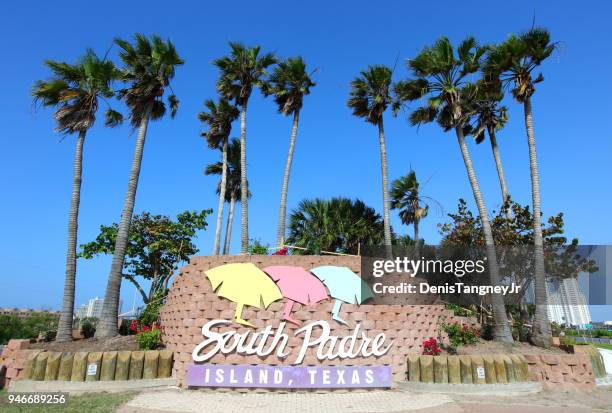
point(334, 225)
point(219, 119)
point(443, 77)
point(289, 83)
point(491, 117)
point(232, 185)
point(412, 205)
point(513, 63)
point(369, 98)
point(74, 91)
point(149, 65)
point(241, 71)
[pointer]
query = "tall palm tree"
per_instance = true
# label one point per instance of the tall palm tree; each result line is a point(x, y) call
point(241, 71)
point(232, 185)
point(74, 91)
point(289, 83)
point(219, 118)
point(442, 76)
point(412, 205)
point(148, 66)
point(490, 117)
point(513, 63)
point(369, 98)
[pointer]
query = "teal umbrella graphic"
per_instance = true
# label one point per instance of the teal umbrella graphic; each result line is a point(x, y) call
point(343, 285)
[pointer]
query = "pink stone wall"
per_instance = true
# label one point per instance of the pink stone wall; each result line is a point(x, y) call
point(191, 303)
point(563, 371)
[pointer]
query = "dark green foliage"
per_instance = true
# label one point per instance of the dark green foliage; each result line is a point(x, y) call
point(88, 327)
point(257, 248)
point(461, 334)
point(233, 171)
point(75, 91)
point(242, 70)
point(149, 65)
point(19, 328)
point(149, 340)
point(157, 245)
point(289, 83)
point(334, 225)
point(218, 119)
point(371, 93)
point(150, 315)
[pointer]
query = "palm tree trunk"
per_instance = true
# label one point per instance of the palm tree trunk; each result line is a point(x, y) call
point(416, 237)
point(541, 334)
point(385, 187)
point(244, 207)
point(282, 214)
point(107, 325)
point(500, 171)
point(501, 331)
point(221, 203)
point(64, 326)
point(228, 227)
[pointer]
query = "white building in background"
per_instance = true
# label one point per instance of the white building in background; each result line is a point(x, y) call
point(93, 309)
point(566, 303)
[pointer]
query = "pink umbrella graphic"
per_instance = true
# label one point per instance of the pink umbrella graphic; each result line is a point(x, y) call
point(297, 285)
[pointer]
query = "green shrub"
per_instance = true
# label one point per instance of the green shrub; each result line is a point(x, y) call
point(149, 339)
point(151, 312)
point(88, 327)
point(460, 311)
point(461, 335)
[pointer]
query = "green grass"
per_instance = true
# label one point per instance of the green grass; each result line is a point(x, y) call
point(602, 345)
point(90, 403)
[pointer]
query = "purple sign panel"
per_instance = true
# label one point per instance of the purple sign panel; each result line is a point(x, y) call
point(302, 377)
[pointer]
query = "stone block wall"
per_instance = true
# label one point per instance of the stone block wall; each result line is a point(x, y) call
point(13, 360)
point(191, 303)
point(563, 371)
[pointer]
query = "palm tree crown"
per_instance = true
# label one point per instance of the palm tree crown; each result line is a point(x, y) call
point(149, 65)
point(218, 118)
point(75, 91)
point(445, 76)
point(289, 83)
point(371, 93)
point(489, 115)
point(514, 61)
point(405, 197)
point(242, 70)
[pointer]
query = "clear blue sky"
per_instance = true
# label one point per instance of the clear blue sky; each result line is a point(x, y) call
point(336, 153)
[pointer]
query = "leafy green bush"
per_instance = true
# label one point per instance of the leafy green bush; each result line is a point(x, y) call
point(257, 248)
point(15, 327)
point(149, 339)
point(461, 335)
point(88, 327)
point(460, 311)
point(151, 312)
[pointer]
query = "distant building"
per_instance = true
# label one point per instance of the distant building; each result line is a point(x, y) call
point(93, 309)
point(567, 305)
point(26, 312)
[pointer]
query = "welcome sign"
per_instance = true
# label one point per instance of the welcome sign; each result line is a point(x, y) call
point(247, 285)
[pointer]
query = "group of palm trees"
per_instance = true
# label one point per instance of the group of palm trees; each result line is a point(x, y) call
point(75, 91)
point(459, 87)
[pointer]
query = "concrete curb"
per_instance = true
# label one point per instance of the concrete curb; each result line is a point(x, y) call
point(511, 389)
point(73, 387)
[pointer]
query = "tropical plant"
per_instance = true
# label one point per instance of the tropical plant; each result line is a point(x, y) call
point(336, 225)
point(289, 83)
point(218, 119)
point(412, 205)
point(491, 117)
point(148, 67)
point(148, 338)
point(513, 63)
point(442, 79)
point(156, 246)
point(241, 71)
point(431, 347)
point(370, 96)
point(232, 191)
point(74, 90)
point(461, 334)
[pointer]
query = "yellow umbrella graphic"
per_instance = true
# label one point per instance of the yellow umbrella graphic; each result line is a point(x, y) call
point(244, 284)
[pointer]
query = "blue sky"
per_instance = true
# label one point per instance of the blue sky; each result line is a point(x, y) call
point(336, 154)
